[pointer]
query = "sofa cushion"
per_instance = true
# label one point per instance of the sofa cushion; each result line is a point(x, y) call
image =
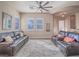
point(76, 37)
point(17, 33)
point(66, 33)
point(12, 34)
point(71, 35)
point(68, 39)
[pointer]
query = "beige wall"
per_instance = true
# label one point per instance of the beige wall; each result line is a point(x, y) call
point(9, 10)
point(38, 34)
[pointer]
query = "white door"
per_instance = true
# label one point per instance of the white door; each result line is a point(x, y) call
point(61, 25)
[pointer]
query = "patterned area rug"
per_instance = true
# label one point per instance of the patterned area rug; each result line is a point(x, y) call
point(39, 48)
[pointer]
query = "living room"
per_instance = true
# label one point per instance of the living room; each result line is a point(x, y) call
point(33, 28)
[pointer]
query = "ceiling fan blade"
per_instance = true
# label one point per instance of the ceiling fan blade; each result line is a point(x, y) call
point(44, 9)
point(45, 3)
point(40, 2)
point(48, 7)
point(37, 2)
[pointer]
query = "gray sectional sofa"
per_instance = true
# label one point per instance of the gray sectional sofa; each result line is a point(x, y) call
point(18, 42)
point(68, 49)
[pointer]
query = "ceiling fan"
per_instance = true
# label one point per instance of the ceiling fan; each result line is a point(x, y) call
point(42, 6)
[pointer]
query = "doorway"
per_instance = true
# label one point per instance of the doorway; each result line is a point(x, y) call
point(61, 25)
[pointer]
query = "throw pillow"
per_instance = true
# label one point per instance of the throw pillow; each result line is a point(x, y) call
point(68, 39)
point(21, 34)
point(8, 39)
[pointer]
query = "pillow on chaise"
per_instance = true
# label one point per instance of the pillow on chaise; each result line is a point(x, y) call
point(68, 39)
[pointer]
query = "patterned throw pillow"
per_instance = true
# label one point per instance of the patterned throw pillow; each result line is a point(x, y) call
point(68, 39)
point(8, 39)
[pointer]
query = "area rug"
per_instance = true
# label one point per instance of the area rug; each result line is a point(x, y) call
point(39, 48)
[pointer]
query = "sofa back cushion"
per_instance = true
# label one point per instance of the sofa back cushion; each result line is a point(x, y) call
point(16, 35)
point(66, 33)
point(70, 34)
point(76, 36)
point(68, 39)
point(61, 32)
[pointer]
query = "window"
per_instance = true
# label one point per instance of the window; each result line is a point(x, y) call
point(30, 24)
point(36, 24)
point(39, 24)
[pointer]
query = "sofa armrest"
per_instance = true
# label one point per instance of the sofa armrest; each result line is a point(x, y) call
point(4, 44)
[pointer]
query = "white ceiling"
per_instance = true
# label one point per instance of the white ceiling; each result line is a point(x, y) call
point(24, 6)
